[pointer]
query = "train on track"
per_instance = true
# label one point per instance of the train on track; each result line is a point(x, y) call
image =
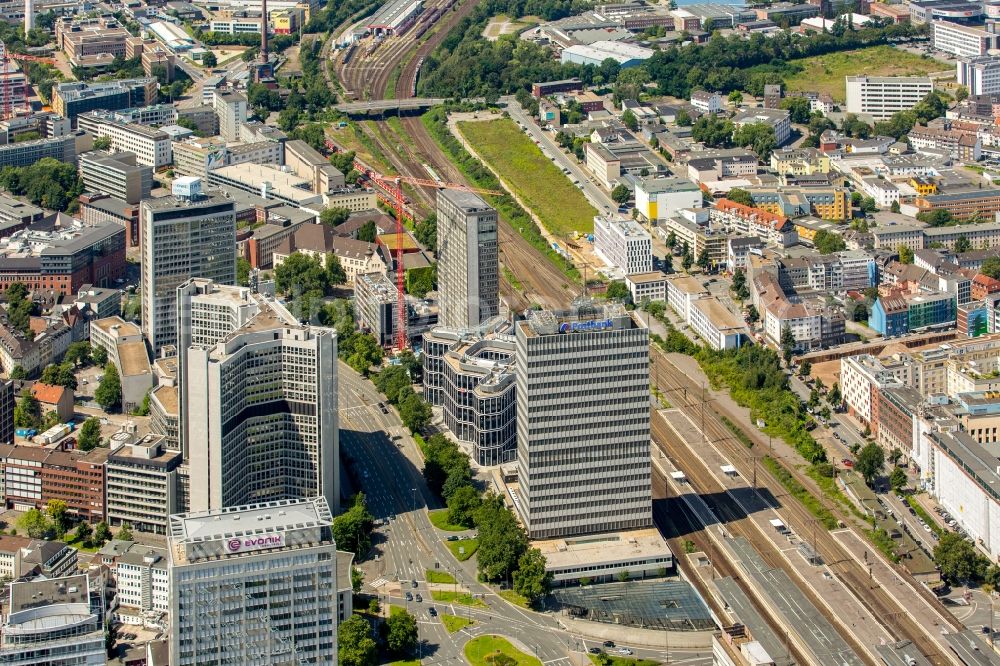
point(349, 53)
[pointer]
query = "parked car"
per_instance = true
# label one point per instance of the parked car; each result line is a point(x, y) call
point(432, 611)
point(594, 650)
point(624, 651)
point(409, 597)
point(609, 644)
point(413, 584)
point(419, 598)
point(847, 462)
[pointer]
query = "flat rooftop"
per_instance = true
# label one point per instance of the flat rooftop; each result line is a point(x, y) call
point(602, 548)
point(40, 592)
point(249, 519)
point(646, 278)
point(718, 314)
point(133, 358)
point(687, 284)
point(464, 200)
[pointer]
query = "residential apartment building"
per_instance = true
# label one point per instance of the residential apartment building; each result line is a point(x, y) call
point(118, 175)
point(320, 240)
point(183, 236)
point(882, 96)
point(270, 434)
point(623, 244)
point(231, 108)
point(151, 147)
point(827, 203)
point(59, 260)
point(910, 313)
point(242, 564)
point(861, 377)
point(751, 221)
point(960, 145)
point(691, 229)
point(33, 476)
point(984, 203)
point(799, 162)
point(57, 621)
point(468, 259)
point(963, 40)
point(142, 485)
point(706, 102)
point(566, 364)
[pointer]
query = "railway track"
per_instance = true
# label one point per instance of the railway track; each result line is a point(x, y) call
point(683, 393)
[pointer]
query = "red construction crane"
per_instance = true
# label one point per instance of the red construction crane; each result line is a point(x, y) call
point(5, 72)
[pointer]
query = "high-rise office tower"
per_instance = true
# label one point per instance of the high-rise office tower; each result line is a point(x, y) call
point(258, 400)
point(183, 236)
point(583, 421)
point(254, 585)
point(468, 260)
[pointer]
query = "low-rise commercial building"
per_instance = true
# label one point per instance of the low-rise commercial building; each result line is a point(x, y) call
point(778, 120)
point(141, 585)
point(661, 198)
point(126, 349)
point(716, 325)
point(26, 153)
point(151, 147)
point(72, 99)
point(963, 40)
point(647, 287)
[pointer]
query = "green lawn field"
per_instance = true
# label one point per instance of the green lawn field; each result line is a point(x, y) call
point(542, 186)
point(825, 73)
point(478, 649)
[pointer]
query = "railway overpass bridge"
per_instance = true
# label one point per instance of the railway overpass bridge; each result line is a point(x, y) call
point(394, 106)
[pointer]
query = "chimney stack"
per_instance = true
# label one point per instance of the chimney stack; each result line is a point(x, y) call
point(263, 31)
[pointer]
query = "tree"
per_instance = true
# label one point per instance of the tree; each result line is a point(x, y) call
point(740, 284)
point(752, 315)
point(629, 120)
point(894, 207)
point(17, 372)
point(125, 533)
point(736, 98)
point(83, 533)
point(897, 479)
point(426, 232)
point(364, 352)
point(805, 369)
point(209, 60)
point(787, 343)
point(531, 580)
point(688, 261)
point(703, 259)
point(35, 524)
point(109, 392)
point(759, 137)
point(682, 119)
point(28, 412)
point(621, 194)
point(302, 274)
point(798, 109)
point(957, 558)
point(905, 254)
point(401, 633)
point(102, 533)
point(502, 541)
point(870, 462)
point(355, 646)
point(78, 353)
point(740, 196)
point(961, 93)
point(368, 232)
point(962, 244)
point(462, 506)
point(99, 355)
point(334, 217)
point(413, 411)
point(89, 437)
point(102, 143)
point(619, 291)
point(991, 267)
point(357, 578)
point(352, 530)
point(827, 242)
point(391, 380)
point(243, 271)
point(714, 132)
point(56, 510)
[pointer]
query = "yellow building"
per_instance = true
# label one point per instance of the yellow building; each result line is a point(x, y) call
point(287, 21)
point(799, 162)
point(923, 186)
point(827, 203)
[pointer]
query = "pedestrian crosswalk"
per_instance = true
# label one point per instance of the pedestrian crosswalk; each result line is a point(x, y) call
point(379, 582)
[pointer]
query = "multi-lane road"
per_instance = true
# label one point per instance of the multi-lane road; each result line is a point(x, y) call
point(388, 469)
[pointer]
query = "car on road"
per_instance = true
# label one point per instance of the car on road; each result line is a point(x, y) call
point(609, 644)
point(432, 611)
point(624, 651)
point(419, 598)
point(594, 650)
point(392, 516)
point(847, 462)
point(408, 596)
point(413, 584)
point(453, 538)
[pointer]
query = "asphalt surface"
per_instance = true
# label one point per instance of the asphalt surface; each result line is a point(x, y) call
point(388, 471)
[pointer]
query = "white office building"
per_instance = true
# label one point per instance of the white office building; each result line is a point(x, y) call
point(468, 259)
point(962, 40)
point(254, 584)
point(623, 244)
point(980, 75)
point(882, 96)
point(151, 147)
point(183, 236)
point(258, 405)
point(142, 585)
point(583, 421)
